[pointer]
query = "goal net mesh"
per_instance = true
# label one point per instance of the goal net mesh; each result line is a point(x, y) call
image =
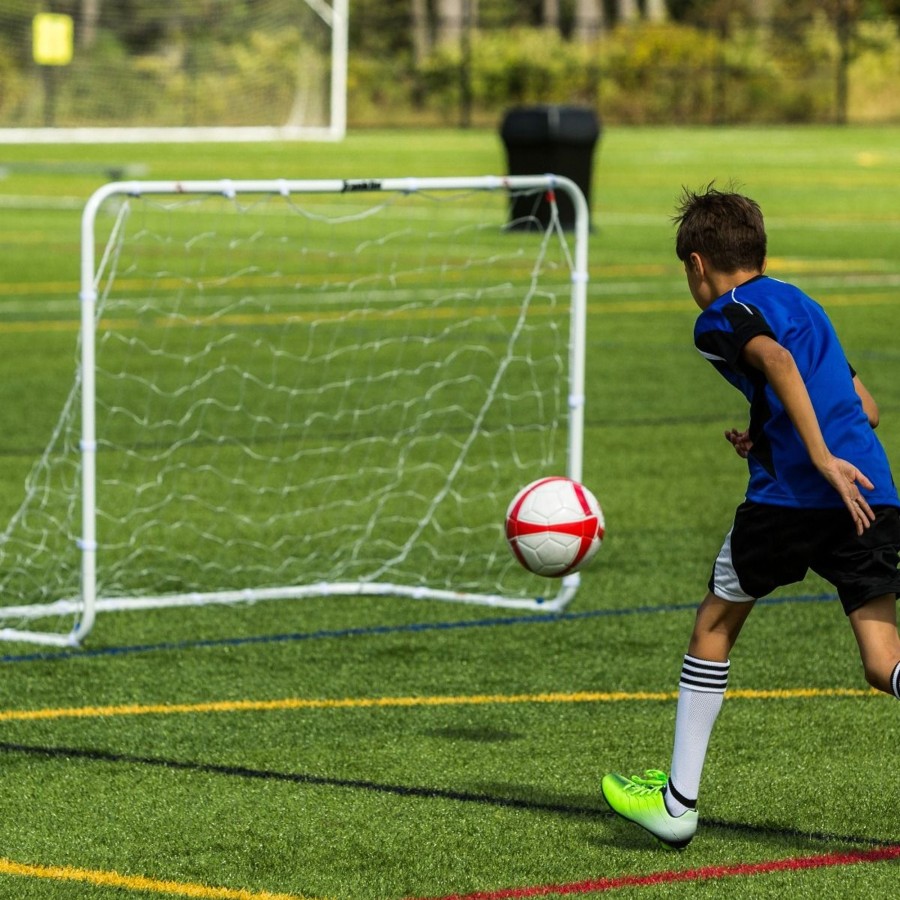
point(204, 67)
point(305, 390)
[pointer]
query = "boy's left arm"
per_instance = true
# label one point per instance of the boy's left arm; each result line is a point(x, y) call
point(778, 365)
point(870, 407)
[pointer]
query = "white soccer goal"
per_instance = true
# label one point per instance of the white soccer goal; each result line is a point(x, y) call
point(293, 389)
point(273, 70)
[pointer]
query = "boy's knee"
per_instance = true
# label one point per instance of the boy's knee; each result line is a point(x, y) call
point(717, 626)
point(874, 678)
point(881, 674)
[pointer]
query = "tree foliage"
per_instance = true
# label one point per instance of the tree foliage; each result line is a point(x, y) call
point(441, 60)
point(387, 25)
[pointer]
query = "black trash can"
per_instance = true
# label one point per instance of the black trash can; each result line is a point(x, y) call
point(550, 139)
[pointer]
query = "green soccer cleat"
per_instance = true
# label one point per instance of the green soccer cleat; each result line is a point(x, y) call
point(640, 800)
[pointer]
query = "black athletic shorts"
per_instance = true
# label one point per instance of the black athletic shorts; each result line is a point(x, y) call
point(771, 546)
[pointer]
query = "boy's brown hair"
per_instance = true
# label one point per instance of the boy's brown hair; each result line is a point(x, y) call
point(725, 227)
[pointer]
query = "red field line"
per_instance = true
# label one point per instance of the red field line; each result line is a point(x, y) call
point(601, 885)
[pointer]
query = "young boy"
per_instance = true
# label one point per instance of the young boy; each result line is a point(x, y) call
point(821, 495)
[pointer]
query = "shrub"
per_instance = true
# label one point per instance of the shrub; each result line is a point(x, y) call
point(875, 73)
point(635, 74)
point(12, 84)
point(653, 74)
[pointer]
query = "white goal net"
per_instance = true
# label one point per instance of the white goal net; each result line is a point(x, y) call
point(288, 389)
point(98, 72)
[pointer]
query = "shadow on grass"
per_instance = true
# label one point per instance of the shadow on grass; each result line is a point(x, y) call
point(475, 735)
point(622, 835)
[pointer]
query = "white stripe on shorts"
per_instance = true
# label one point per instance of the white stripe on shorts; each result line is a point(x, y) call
point(725, 580)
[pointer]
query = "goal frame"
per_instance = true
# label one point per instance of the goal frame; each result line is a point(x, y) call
point(89, 604)
point(334, 13)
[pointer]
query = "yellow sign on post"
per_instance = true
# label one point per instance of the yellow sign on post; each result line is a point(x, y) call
point(53, 39)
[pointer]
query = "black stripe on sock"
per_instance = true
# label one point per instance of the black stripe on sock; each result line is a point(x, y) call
point(895, 681)
point(684, 801)
point(712, 678)
point(699, 685)
point(704, 675)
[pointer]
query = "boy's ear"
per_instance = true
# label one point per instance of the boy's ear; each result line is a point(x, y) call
point(697, 264)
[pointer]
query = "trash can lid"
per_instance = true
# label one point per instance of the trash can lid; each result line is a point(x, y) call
point(542, 124)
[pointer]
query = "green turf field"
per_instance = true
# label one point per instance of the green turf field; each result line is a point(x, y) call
point(363, 748)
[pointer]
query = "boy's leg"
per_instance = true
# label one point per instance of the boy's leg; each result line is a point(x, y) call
point(667, 807)
point(701, 691)
point(875, 627)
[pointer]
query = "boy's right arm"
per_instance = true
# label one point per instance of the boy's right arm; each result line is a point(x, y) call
point(780, 369)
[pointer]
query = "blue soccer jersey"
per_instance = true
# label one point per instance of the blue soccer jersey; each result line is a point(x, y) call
point(781, 472)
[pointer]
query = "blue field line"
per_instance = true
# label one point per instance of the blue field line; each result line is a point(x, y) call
point(376, 630)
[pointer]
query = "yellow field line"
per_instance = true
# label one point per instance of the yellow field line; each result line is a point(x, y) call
point(627, 270)
point(237, 320)
point(300, 703)
point(138, 883)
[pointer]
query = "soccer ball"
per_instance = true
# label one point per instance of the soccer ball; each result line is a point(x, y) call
point(554, 526)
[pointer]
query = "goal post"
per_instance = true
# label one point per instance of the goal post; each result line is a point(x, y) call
point(295, 389)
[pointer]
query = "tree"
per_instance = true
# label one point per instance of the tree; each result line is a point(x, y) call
point(656, 10)
point(455, 17)
point(627, 11)
point(421, 30)
point(88, 18)
point(590, 20)
point(550, 14)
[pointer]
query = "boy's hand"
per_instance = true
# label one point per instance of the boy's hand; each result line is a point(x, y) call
point(741, 442)
point(844, 477)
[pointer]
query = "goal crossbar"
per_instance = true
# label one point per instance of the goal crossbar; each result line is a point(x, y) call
point(88, 604)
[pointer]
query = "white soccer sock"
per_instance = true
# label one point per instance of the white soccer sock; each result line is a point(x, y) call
point(895, 681)
point(700, 695)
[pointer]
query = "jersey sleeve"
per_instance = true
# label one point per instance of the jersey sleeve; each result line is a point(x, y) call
point(722, 333)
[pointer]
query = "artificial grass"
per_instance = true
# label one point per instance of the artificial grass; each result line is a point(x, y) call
point(362, 802)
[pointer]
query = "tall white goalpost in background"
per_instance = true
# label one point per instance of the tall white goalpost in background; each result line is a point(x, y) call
point(291, 389)
point(280, 75)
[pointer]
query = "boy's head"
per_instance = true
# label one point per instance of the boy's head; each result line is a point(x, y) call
point(724, 227)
